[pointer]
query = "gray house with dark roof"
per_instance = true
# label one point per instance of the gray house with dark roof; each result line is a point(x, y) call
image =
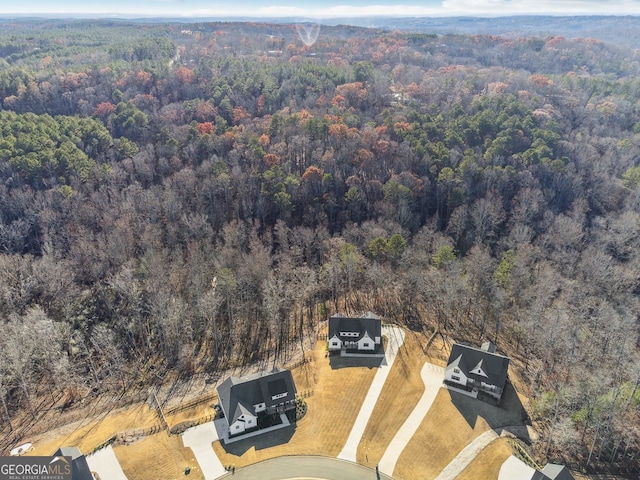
point(470, 370)
point(552, 471)
point(79, 466)
point(363, 334)
point(243, 399)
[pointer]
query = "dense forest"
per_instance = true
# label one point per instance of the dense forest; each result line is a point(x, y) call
point(188, 197)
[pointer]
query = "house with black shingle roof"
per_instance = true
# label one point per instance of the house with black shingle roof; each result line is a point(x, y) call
point(515, 469)
point(361, 334)
point(243, 399)
point(79, 467)
point(470, 370)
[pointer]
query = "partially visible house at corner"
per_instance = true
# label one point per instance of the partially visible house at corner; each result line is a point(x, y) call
point(362, 334)
point(244, 400)
point(515, 469)
point(79, 466)
point(470, 370)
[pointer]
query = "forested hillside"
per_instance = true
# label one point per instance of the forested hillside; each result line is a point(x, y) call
point(485, 186)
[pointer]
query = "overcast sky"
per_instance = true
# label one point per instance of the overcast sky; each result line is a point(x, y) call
point(321, 8)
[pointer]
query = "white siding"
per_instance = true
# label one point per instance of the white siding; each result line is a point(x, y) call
point(461, 377)
point(259, 407)
point(335, 343)
point(244, 422)
point(237, 427)
point(366, 343)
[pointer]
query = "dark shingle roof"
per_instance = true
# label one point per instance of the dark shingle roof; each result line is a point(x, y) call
point(369, 323)
point(557, 472)
point(239, 395)
point(73, 452)
point(468, 358)
point(79, 466)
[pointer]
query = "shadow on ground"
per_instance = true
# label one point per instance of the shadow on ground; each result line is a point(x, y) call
point(510, 411)
point(336, 362)
point(260, 442)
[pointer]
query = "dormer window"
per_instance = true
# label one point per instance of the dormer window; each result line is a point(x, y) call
point(478, 369)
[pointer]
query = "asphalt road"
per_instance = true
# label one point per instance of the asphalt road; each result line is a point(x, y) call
point(305, 468)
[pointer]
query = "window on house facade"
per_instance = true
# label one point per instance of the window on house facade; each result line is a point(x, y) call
point(365, 345)
point(334, 344)
point(455, 377)
point(455, 370)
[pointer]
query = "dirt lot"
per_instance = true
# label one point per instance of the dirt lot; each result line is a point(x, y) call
point(404, 382)
point(339, 385)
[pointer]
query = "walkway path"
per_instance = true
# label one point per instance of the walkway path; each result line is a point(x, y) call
point(105, 463)
point(395, 336)
point(471, 451)
point(199, 439)
point(432, 376)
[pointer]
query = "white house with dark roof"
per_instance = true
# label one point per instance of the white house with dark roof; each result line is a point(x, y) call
point(470, 370)
point(362, 334)
point(243, 399)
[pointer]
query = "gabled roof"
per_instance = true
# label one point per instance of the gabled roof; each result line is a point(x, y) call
point(79, 466)
point(238, 395)
point(468, 358)
point(73, 452)
point(369, 323)
point(557, 472)
point(515, 469)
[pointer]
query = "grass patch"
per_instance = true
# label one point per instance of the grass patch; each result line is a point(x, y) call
point(486, 465)
point(453, 421)
point(445, 431)
point(339, 390)
point(438, 351)
point(403, 383)
point(159, 456)
point(194, 413)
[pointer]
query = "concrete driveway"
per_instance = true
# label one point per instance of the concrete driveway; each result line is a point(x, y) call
point(303, 467)
point(432, 376)
point(395, 335)
point(199, 440)
point(105, 463)
point(471, 451)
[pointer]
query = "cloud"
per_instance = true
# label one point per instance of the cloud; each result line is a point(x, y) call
point(445, 8)
point(329, 9)
point(557, 7)
point(323, 12)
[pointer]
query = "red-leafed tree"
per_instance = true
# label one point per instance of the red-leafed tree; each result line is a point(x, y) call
point(206, 128)
point(104, 109)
